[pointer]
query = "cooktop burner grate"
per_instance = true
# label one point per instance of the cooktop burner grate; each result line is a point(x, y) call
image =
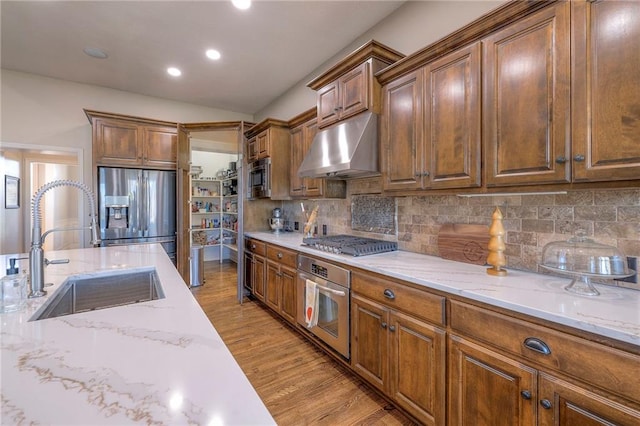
point(349, 244)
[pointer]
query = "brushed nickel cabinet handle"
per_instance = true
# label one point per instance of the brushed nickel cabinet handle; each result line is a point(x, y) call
point(389, 294)
point(525, 394)
point(425, 174)
point(392, 328)
point(546, 404)
point(279, 255)
point(383, 325)
point(578, 157)
point(561, 160)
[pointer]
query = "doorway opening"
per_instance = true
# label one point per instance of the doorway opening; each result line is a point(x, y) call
point(62, 207)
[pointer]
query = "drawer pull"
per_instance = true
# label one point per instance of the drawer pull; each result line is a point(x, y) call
point(525, 394)
point(546, 404)
point(253, 246)
point(384, 324)
point(279, 255)
point(392, 328)
point(537, 345)
point(389, 294)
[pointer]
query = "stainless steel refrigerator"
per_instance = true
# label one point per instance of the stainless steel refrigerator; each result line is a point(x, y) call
point(137, 207)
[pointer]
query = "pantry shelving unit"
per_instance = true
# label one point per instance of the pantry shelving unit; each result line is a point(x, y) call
point(206, 216)
point(214, 217)
point(229, 221)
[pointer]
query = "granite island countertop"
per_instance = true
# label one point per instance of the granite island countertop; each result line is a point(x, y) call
point(156, 362)
point(614, 314)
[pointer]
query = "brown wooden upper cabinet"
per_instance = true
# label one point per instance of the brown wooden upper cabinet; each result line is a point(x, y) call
point(526, 102)
point(125, 141)
point(430, 131)
point(350, 87)
point(345, 97)
point(606, 90)
point(303, 128)
point(271, 139)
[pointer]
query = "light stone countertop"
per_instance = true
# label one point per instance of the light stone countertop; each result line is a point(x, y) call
point(614, 314)
point(156, 362)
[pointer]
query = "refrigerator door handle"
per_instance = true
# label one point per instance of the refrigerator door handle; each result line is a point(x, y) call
point(147, 198)
point(139, 202)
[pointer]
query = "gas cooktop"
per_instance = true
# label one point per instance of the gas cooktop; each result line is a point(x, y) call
point(349, 244)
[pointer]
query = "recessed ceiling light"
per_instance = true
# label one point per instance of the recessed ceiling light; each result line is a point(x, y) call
point(213, 54)
point(175, 72)
point(95, 52)
point(242, 4)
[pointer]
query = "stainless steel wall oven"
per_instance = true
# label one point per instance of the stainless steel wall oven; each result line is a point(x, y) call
point(333, 283)
point(259, 179)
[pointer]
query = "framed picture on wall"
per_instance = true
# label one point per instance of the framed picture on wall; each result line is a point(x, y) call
point(11, 192)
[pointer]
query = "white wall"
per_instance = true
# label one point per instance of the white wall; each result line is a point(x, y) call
point(413, 26)
point(49, 112)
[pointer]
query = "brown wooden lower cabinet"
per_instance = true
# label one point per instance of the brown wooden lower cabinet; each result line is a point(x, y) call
point(486, 388)
point(401, 356)
point(280, 282)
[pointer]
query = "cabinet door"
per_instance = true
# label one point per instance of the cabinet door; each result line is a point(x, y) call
point(312, 187)
point(296, 183)
point(606, 89)
point(354, 91)
point(258, 282)
point(486, 388)
point(526, 102)
point(262, 144)
point(417, 369)
point(160, 147)
point(452, 120)
point(252, 150)
point(288, 294)
point(248, 271)
point(117, 143)
point(272, 286)
point(328, 104)
point(402, 143)
point(369, 341)
point(565, 404)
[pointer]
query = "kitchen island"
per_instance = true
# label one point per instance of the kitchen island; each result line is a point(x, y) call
point(614, 314)
point(155, 362)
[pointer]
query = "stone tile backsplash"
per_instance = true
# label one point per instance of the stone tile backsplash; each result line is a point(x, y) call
point(530, 221)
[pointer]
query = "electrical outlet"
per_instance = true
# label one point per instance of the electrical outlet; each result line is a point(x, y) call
point(632, 263)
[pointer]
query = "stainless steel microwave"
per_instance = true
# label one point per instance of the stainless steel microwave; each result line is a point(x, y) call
point(259, 179)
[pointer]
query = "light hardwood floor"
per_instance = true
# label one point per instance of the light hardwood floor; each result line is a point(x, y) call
point(299, 384)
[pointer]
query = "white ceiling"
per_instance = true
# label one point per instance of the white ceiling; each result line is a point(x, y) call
point(265, 50)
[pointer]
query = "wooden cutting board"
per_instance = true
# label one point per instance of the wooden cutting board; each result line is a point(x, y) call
point(464, 243)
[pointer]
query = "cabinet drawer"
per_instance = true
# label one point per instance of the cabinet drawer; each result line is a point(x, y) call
point(282, 256)
point(255, 246)
point(597, 364)
point(401, 297)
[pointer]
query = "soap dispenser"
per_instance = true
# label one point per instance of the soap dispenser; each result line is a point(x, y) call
point(13, 288)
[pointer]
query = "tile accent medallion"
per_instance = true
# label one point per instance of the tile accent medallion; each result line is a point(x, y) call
point(373, 213)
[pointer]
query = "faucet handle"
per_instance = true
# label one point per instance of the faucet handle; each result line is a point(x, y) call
point(48, 262)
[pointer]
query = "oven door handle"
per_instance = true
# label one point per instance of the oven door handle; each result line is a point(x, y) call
point(330, 290)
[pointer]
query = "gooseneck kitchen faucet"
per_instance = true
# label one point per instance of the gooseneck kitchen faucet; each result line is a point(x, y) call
point(36, 254)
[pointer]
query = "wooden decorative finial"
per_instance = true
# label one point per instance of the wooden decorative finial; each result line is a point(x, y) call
point(496, 246)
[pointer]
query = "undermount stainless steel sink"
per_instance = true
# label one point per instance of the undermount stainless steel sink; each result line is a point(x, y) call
point(87, 293)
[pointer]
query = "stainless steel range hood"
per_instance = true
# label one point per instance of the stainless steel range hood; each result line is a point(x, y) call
point(348, 149)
